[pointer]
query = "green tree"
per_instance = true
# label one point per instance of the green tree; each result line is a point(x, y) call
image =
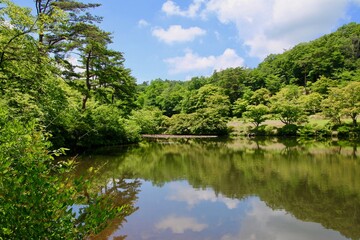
point(343, 102)
point(231, 80)
point(285, 104)
point(260, 96)
point(311, 102)
point(208, 96)
point(239, 107)
point(256, 114)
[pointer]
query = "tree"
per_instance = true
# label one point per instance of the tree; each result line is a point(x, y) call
point(231, 80)
point(260, 96)
point(239, 107)
point(311, 102)
point(208, 96)
point(352, 101)
point(256, 114)
point(59, 20)
point(342, 102)
point(285, 104)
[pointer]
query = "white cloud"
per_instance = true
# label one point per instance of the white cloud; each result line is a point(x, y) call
point(271, 26)
point(193, 62)
point(192, 196)
point(177, 33)
point(172, 9)
point(180, 224)
point(143, 23)
point(75, 62)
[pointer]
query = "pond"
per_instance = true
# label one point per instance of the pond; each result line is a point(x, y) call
point(233, 189)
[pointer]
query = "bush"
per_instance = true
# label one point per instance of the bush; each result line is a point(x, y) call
point(104, 126)
point(206, 123)
point(314, 130)
point(33, 205)
point(288, 130)
point(264, 130)
point(37, 196)
point(180, 124)
point(345, 131)
point(149, 120)
point(201, 122)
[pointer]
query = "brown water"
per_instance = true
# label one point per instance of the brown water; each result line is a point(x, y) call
point(239, 189)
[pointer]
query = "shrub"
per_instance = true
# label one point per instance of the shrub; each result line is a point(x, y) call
point(104, 126)
point(33, 204)
point(314, 130)
point(149, 120)
point(288, 130)
point(202, 122)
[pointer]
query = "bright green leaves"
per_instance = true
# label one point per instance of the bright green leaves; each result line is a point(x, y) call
point(343, 102)
point(257, 114)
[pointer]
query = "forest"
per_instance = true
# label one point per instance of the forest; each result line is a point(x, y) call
point(49, 104)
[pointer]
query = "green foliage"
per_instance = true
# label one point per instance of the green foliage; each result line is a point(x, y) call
point(323, 85)
point(288, 130)
point(204, 121)
point(37, 195)
point(104, 125)
point(285, 104)
point(149, 120)
point(209, 96)
point(343, 102)
point(264, 130)
point(314, 130)
point(311, 103)
point(239, 107)
point(33, 202)
point(256, 114)
point(349, 132)
point(232, 80)
point(164, 95)
point(180, 124)
point(260, 96)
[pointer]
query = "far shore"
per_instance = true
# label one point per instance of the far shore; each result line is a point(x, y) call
point(177, 136)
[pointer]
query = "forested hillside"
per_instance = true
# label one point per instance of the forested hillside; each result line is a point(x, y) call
point(62, 86)
point(321, 77)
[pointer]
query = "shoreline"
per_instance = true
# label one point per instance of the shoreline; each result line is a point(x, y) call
point(177, 136)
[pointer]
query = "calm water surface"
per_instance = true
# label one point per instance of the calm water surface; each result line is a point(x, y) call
point(238, 189)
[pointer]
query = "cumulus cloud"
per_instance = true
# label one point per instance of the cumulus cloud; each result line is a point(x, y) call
point(271, 26)
point(143, 23)
point(177, 33)
point(193, 62)
point(172, 9)
point(180, 224)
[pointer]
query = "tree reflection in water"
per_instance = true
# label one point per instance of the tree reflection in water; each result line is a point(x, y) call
point(316, 182)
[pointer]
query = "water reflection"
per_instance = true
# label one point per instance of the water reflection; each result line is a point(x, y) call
point(209, 219)
point(191, 196)
point(241, 189)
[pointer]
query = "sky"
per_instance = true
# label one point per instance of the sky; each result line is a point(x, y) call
point(180, 39)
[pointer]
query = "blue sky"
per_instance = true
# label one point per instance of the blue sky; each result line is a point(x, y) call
point(179, 39)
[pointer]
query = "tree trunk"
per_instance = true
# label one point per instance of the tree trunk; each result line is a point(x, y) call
point(84, 100)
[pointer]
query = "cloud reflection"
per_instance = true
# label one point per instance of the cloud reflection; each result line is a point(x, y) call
point(185, 193)
point(262, 222)
point(180, 224)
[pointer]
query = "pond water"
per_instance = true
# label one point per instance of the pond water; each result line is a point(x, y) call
point(234, 189)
